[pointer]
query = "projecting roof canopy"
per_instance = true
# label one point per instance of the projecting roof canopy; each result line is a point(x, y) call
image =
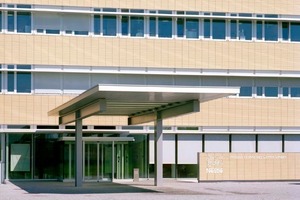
point(139, 103)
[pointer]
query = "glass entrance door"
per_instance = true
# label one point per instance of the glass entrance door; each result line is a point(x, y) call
point(98, 158)
point(121, 160)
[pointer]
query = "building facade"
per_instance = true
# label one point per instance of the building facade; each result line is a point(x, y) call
point(51, 51)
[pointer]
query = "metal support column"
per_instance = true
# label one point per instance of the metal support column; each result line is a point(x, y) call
point(2, 160)
point(158, 137)
point(78, 153)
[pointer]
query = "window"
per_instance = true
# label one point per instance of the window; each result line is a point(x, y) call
point(97, 24)
point(137, 26)
point(125, 25)
point(109, 25)
point(10, 21)
point(245, 91)
point(0, 21)
point(295, 31)
point(207, 28)
point(0, 80)
point(49, 23)
point(152, 26)
point(271, 31)
point(295, 92)
point(233, 29)
point(180, 27)
point(165, 27)
point(245, 30)
point(218, 27)
point(259, 30)
point(23, 22)
point(259, 91)
point(271, 91)
point(192, 28)
point(76, 24)
point(285, 31)
point(19, 81)
point(285, 91)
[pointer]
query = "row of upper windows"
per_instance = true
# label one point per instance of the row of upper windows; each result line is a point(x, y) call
point(20, 79)
point(151, 26)
point(269, 91)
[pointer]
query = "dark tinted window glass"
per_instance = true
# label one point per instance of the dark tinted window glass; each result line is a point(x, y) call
point(0, 21)
point(24, 22)
point(259, 30)
point(125, 25)
point(10, 81)
point(109, 25)
point(295, 92)
point(24, 82)
point(285, 31)
point(245, 92)
point(137, 26)
point(233, 29)
point(180, 27)
point(218, 29)
point(48, 31)
point(271, 91)
point(97, 25)
point(271, 31)
point(245, 30)
point(152, 26)
point(207, 28)
point(259, 91)
point(10, 21)
point(285, 91)
point(295, 31)
point(165, 27)
point(192, 28)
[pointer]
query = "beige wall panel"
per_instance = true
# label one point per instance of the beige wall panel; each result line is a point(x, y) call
point(92, 51)
point(248, 6)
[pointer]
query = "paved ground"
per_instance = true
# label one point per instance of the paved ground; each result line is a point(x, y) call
point(144, 190)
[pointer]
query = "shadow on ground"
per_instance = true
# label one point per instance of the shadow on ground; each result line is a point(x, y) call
point(54, 187)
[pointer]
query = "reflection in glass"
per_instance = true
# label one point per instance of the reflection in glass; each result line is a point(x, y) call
point(295, 31)
point(218, 29)
point(110, 25)
point(152, 26)
point(97, 25)
point(180, 27)
point(233, 29)
point(165, 27)
point(24, 79)
point(23, 22)
point(245, 30)
point(137, 26)
point(192, 28)
point(259, 30)
point(285, 31)
point(271, 31)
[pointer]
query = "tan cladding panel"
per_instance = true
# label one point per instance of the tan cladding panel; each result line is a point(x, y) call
point(247, 6)
point(243, 112)
point(134, 52)
point(33, 109)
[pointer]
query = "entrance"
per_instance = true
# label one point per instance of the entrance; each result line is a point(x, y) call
point(98, 158)
point(104, 161)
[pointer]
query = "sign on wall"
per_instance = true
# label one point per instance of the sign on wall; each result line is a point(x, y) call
point(248, 166)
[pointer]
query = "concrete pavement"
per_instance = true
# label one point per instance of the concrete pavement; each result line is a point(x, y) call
point(129, 190)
